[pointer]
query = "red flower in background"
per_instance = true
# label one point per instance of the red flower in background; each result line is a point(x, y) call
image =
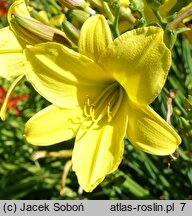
point(13, 101)
point(3, 7)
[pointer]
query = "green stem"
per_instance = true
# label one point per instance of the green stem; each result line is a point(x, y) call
point(116, 24)
point(108, 12)
point(114, 19)
point(160, 18)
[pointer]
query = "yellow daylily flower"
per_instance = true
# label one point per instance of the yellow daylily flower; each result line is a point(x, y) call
point(11, 47)
point(99, 95)
point(11, 54)
point(22, 30)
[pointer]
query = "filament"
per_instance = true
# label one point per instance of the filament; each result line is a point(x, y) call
point(106, 105)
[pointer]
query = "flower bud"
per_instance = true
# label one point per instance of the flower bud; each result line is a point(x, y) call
point(71, 4)
point(170, 37)
point(113, 4)
point(78, 17)
point(183, 123)
point(40, 16)
point(125, 14)
point(71, 31)
point(57, 21)
point(187, 103)
point(137, 5)
point(81, 4)
point(35, 32)
point(98, 4)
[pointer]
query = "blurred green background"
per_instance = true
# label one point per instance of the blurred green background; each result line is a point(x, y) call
point(140, 175)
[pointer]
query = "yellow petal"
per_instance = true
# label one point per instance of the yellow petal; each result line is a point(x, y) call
point(11, 56)
point(18, 7)
point(98, 151)
point(62, 76)
point(140, 62)
point(8, 41)
point(148, 132)
point(95, 36)
point(52, 125)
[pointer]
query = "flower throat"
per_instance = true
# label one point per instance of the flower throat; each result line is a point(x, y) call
point(106, 104)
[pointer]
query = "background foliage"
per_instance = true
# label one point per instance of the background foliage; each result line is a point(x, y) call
point(140, 175)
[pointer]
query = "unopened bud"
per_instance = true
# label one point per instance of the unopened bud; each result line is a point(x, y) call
point(183, 123)
point(177, 111)
point(36, 32)
point(136, 5)
point(125, 14)
point(71, 31)
point(78, 17)
point(187, 103)
point(77, 4)
point(41, 16)
point(71, 4)
point(190, 99)
point(57, 21)
point(113, 3)
point(98, 4)
point(189, 133)
point(170, 37)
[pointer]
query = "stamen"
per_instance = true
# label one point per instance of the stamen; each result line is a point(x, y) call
point(106, 104)
point(88, 101)
point(92, 112)
point(104, 93)
point(118, 102)
point(85, 110)
point(109, 113)
point(101, 100)
point(87, 104)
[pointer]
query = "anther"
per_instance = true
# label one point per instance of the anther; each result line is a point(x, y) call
point(92, 112)
point(88, 101)
point(85, 110)
point(87, 104)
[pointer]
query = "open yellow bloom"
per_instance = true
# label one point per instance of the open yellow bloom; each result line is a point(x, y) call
point(101, 94)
